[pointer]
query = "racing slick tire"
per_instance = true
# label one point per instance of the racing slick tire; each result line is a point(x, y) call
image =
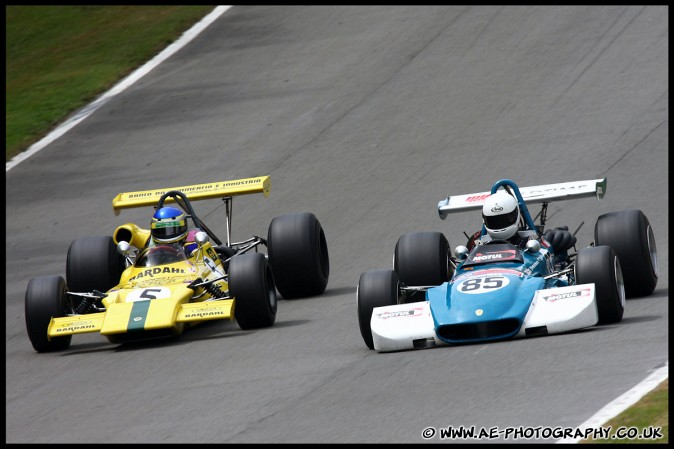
point(298, 255)
point(93, 263)
point(630, 235)
point(422, 258)
point(251, 283)
point(600, 265)
point(46, 298)
point(376, 288)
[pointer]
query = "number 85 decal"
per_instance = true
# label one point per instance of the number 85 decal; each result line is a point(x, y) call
point(478, 285)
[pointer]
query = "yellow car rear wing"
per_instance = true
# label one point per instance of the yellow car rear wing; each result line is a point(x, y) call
point(220, 189)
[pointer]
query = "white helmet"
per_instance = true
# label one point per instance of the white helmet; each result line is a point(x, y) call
point(501, 215)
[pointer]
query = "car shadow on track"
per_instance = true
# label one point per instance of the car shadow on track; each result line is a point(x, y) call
point(659, 293)
point(330, 292)
point(208, 330)
point(640, 319)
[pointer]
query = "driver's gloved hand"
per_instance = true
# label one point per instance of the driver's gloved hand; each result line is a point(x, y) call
point(560, 239)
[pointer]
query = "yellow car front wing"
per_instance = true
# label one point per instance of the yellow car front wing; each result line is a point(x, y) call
point(141, 316)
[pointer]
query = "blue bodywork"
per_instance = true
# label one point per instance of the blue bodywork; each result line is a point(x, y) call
point(491, 290)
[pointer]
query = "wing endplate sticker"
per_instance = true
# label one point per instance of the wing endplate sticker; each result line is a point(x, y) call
point(411, 312)
point(552, 296)
point(76, 324)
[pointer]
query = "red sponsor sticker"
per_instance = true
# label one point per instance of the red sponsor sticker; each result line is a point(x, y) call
point(472, 199)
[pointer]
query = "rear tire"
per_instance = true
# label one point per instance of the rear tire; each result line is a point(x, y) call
point(251, 283)
point(375, 289)
point(298, 255)
point(422, 258)
point(630, 235)
point(600, 265)
point(46, 299)
point(93, 263)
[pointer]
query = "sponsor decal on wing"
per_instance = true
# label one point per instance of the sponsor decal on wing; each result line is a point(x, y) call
point(207, 312)
point(400, 313)
point(475, 198)
point(72, 327)
point(573, 294)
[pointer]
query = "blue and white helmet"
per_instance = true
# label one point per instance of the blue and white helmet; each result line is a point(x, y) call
point(501, 215)
point(169, 225)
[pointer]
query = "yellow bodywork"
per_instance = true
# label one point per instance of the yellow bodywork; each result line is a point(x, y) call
point(152, 298)
point(135, 235)
point(158, 298)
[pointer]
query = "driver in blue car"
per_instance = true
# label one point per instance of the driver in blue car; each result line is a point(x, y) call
point(503, 220)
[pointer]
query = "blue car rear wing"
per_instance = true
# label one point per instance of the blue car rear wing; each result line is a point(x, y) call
point(531, 195)
point(536, 194)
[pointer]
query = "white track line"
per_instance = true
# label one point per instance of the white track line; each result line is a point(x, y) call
point(121, 86)
point(617, 406)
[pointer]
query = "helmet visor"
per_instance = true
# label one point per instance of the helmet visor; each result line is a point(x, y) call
point(500, 221)
point(169, 230)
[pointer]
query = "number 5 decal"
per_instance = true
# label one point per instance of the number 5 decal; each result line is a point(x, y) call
point(478, 285)
point(145, 294)
point(149, 293)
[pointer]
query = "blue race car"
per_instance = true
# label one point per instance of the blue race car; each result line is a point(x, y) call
point(497, 291)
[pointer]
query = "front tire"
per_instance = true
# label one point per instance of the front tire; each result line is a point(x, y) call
point(630, 234)
point(93, 263)
point(251, 283)
point(422, 259)
point(298, 255)
point(600, 265)
point(46, 299)
point(375, 289)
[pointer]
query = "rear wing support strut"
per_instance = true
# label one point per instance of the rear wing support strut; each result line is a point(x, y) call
point(228, 200)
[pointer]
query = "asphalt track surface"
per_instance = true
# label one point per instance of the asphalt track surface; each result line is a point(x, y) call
point(367, 117)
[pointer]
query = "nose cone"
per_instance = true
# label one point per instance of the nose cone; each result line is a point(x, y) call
point(483, 297)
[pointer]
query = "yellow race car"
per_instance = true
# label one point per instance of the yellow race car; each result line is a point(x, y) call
point(129, 288)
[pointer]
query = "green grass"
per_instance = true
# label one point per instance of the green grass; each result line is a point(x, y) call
point(652, 411)
point(59, 58)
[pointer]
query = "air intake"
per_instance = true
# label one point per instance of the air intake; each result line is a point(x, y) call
point(487, 330)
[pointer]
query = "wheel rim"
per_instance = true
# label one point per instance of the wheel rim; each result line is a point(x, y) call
point(652, 250)
point(620, 283)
